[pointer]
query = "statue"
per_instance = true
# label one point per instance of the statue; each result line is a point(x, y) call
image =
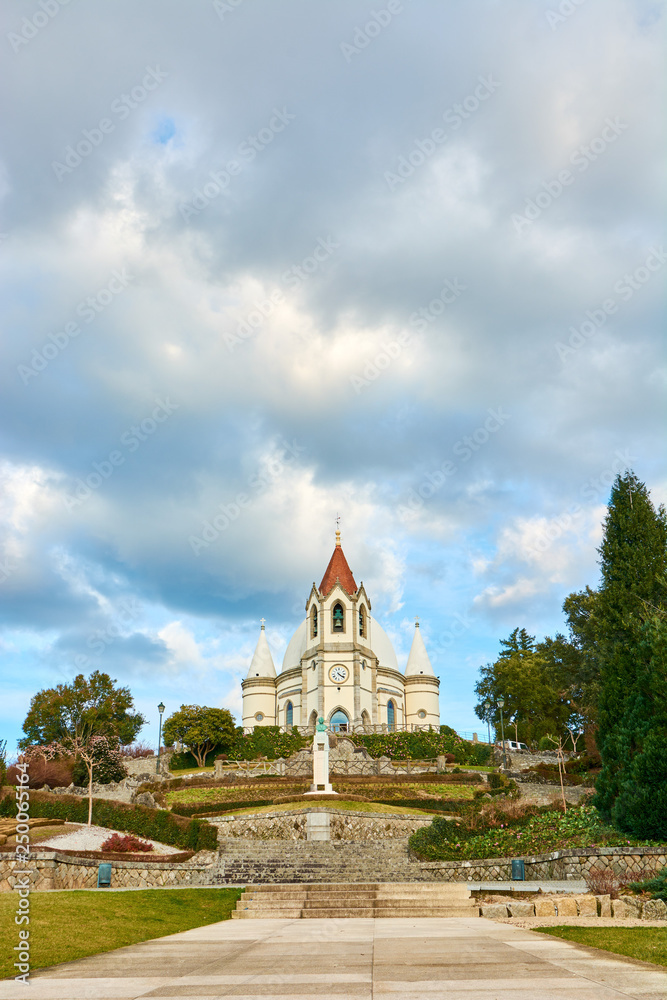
point(321, 784)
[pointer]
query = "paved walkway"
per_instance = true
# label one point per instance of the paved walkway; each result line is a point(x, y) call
point(546, 885)
point(456, 958)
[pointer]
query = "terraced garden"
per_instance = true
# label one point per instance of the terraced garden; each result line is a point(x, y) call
point(447, 793)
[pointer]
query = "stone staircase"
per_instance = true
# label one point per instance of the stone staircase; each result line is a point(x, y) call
point(358, 899)
point(270, 862)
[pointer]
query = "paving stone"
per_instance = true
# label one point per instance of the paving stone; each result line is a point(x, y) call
point(495, 910)
point(587, 905)
point(521, 908)
point(566, 906)
point(633, 905)
point(654, 909)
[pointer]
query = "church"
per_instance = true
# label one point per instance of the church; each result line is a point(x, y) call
point(340, 664)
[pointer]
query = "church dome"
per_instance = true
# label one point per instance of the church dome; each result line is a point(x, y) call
point(296, 647)
point(380, 643)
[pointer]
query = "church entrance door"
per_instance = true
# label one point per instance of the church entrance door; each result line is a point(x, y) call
point(339, 721)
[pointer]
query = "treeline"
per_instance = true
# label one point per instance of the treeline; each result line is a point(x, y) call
point(605, 681)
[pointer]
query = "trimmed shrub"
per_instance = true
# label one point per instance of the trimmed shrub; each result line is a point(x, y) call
point(213, 808)
point(657, 886)
point(154, 824)
point(127, 843)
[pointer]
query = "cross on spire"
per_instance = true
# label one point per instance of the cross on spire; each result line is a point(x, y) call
point(262, 622)
point(416, 621)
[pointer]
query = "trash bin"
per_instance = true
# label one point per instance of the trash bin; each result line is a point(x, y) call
point(103, 876)
point(518, 870)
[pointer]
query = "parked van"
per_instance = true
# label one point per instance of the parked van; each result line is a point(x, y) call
point(511, 745)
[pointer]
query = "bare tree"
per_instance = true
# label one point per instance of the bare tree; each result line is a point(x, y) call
point(85, 747)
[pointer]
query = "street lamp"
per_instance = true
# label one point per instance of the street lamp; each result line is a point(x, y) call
point(487, 706)
point(501, 705)
point(160, 709)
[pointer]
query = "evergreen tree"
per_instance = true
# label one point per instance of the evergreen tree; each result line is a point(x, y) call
point(641, 805)
point(632, 560)
point(524, 678)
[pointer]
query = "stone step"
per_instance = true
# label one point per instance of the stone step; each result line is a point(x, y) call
point(420, 888)
point(331, 899)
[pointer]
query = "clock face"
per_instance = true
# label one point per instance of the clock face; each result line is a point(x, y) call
point(338, 674)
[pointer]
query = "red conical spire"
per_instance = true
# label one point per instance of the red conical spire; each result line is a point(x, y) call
point(338, 570)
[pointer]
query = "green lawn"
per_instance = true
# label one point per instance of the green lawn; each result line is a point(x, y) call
point(342, 804)
point(68, 925)
point(177, 773)
point(649, 944)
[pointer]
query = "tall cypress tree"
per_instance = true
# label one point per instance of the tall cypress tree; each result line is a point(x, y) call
point(632, 560)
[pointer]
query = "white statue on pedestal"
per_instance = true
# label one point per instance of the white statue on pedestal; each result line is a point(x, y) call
point(321, 781)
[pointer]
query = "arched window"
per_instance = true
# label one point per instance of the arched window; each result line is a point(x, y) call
point(289, 714)
point(313, 622)
point(365, 719)
point(338, 618)
point(391, 714)
point(362, 621)
point(339, 721)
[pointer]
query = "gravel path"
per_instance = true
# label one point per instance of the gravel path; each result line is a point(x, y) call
point(91, 838)
point(530, 923)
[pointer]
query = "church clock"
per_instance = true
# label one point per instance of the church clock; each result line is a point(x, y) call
point(338, 674)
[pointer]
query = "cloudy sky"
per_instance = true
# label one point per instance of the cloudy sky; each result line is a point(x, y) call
point(264, 263)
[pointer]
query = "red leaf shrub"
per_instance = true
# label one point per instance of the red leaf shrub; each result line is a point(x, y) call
point(54, 773)
point(127, 843)
point(604, 881)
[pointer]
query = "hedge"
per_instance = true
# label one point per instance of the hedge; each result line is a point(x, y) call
point(425, 744)
point(213, 808)
point(154, 824)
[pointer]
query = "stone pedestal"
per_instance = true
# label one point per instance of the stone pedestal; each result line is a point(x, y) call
point(318, 826)
point(321, 781)
point(321, 784)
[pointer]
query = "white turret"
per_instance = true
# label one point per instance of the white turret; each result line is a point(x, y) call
point(259, 687)
point(262, 664)
point(422, 704)
point(418, 661)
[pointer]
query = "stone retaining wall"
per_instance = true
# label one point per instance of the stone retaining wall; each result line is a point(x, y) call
point(574, 863)
point(240, 860)
point(342, 825)
point(55, 870)
point(578, 906)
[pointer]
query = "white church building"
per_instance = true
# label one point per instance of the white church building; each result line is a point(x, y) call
point(340, 664)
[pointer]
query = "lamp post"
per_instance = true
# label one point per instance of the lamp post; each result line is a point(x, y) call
point(160, 709)
point(501, 705)
point(487, 706)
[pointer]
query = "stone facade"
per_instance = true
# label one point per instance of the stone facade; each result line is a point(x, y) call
point(342, 825)
point(148, 765)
